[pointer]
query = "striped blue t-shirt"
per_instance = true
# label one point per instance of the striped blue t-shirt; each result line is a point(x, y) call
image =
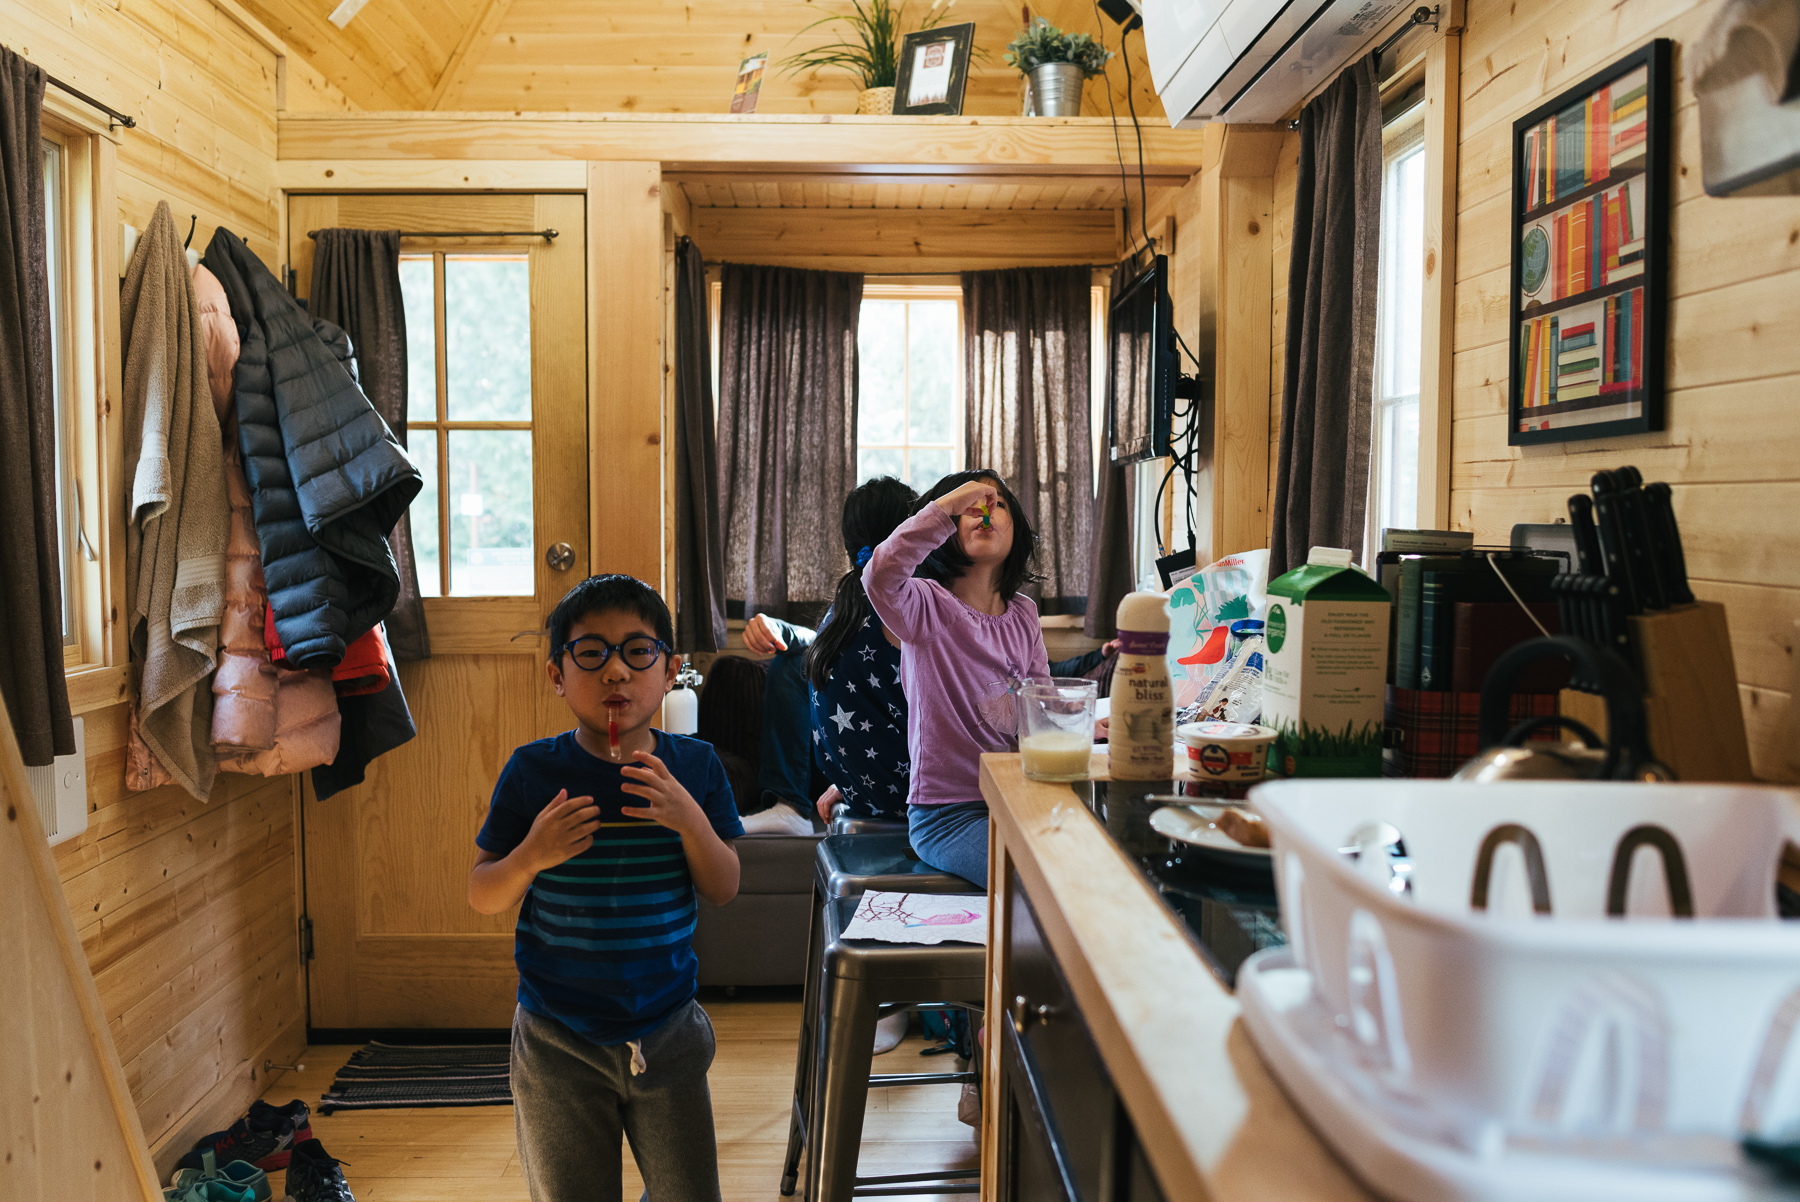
point(605, 940)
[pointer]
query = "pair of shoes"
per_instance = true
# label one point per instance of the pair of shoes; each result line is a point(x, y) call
point(238, 1174)
point(314, 1176)
point(890, 1031)
point(779, 819)
point(264, 1137)
point(208, 1191)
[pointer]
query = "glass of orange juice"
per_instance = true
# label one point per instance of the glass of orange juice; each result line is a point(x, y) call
point(1056, 726)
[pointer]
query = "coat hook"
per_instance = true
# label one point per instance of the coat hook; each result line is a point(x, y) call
point(193, 220)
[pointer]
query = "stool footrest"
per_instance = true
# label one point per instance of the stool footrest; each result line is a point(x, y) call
point(898, 1178)
point(879, 1079)
point(908, 1191)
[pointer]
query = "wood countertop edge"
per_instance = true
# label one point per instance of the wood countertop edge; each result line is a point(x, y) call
point(1212, 1120)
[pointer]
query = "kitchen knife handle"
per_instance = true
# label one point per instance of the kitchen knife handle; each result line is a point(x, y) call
point(1611, 525)
point(1587, 543)
point(1660, 504)
point(1641, 543)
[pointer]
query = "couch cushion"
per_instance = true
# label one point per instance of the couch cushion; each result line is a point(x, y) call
point(776, 863)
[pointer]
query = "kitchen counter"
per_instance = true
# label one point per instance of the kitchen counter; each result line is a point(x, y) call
point(1208, 1117)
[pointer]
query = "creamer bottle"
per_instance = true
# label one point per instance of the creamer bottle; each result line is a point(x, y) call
point(1141, 745)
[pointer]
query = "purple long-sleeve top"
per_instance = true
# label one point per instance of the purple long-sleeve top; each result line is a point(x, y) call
point(960, 667)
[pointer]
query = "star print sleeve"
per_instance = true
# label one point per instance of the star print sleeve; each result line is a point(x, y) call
point(902, 601)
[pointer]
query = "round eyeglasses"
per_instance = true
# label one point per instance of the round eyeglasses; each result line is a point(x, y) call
point(591, 652)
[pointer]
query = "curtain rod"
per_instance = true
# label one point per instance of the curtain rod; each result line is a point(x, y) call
point(118, 118)
point(1421, 16)
point(546, 234)
point(950, 271)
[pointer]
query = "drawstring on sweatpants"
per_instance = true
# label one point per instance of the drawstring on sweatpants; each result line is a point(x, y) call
point(638, 1064)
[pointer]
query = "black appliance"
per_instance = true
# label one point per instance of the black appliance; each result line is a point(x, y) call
point(1143, 366)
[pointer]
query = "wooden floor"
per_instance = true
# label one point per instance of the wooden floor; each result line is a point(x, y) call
point(469, 1154)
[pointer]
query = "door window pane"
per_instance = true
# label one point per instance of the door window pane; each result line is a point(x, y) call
point(420, 305)
point(422, 446)
point(65, 467)
point(489, 487)
point(927, 465)
point(880, 461)
point(487, 337)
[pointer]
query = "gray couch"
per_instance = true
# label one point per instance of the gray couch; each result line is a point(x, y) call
point(759, 936)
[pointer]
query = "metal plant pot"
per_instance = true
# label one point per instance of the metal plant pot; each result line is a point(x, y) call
point(1056, 90)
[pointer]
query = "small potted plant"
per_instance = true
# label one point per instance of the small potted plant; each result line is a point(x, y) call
point(1055, 65)
point(871, 52)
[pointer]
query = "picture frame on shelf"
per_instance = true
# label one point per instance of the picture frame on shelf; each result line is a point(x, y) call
point(933, 71)
point(749, 82)
point(1589, 275)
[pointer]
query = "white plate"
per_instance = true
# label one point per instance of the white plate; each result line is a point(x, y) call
point(1195, 825)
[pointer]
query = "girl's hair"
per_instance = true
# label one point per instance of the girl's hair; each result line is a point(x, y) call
point(949, 561)
point(871, 512)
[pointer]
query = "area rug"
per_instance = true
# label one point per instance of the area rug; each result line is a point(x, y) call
point(385, 1075)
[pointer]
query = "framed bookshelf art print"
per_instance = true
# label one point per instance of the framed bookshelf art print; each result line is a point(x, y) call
point(1590, 222)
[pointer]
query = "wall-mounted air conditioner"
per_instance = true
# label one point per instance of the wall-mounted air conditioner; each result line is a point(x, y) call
point(60, 790)
point(1254, 60)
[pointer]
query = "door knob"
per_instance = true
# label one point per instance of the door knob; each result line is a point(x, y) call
point(560, 557)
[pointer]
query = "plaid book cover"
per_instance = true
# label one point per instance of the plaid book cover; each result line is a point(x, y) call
point(1434, 734)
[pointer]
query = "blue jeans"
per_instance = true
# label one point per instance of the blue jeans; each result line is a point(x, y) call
point(952, 838)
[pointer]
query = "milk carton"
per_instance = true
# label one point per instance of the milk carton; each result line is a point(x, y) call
point(1325, 676)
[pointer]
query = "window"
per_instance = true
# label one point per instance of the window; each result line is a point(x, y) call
point(909, 384)
point(1394, 455)
point(70, 263)
point(468, 420)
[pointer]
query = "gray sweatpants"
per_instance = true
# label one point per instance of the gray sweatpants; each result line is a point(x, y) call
point(573, 1099)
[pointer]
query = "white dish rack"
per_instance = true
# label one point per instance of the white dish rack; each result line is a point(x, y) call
point(1461, 1015)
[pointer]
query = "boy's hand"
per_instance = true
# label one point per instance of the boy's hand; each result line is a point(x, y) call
point(966, 500)
point(561, 831)
point(669, 804)
point(828, 799)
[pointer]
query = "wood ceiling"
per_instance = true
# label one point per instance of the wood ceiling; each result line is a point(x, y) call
point(652, 56)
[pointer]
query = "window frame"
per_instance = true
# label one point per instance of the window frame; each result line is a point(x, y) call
point(1402, 137)
point(877, 289)
point(441, 425)
point(85, 444)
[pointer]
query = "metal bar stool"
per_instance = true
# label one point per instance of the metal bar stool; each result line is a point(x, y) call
point(848, 865)
point(859, 980)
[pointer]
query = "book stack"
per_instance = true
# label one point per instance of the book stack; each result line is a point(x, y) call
point(1587, 141)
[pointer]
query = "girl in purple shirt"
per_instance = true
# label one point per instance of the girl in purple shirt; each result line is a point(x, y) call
point(968, 636)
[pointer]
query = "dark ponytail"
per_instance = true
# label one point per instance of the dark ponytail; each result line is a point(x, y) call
point(871, 512)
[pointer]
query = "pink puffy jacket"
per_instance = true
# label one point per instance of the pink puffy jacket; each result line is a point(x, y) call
point(267, 721)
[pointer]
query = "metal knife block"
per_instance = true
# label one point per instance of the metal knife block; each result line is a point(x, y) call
point(1683, 656)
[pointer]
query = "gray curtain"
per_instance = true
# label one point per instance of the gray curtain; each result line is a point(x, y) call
point(699, 538)
point(1322, 481)
point(787, 432)
point(31, 603)
point(356, 287)
point(1110, 551)
point(1026, 337)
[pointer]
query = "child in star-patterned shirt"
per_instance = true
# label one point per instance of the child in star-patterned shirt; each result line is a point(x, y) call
point(853, 669)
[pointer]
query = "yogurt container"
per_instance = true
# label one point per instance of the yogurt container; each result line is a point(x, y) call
point(1228, 752)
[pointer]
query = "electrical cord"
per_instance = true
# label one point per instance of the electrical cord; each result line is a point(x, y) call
point(1112, 111)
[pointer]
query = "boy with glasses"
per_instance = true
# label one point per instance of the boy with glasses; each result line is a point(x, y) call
point(606, 845)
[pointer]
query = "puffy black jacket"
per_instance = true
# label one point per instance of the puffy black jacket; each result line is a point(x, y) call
point(327, 478)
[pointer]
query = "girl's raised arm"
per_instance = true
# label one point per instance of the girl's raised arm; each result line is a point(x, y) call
point(904, 603)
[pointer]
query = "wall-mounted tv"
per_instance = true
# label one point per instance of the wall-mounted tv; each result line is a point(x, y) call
point(1143, 367)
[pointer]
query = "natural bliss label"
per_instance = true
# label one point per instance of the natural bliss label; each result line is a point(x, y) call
point(1325, 675)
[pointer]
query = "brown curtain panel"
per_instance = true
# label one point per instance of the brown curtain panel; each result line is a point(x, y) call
point(1322, 481)
point(356, 287)
point(1026, 338)
point(787, 432)
point(1109, 552)
point(31, 602)
point(699, 537)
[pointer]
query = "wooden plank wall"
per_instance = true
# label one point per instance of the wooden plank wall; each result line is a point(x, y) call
point(186, 911)
point(1733, 358)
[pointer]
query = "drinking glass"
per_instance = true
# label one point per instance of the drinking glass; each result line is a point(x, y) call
point(1056, 726)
